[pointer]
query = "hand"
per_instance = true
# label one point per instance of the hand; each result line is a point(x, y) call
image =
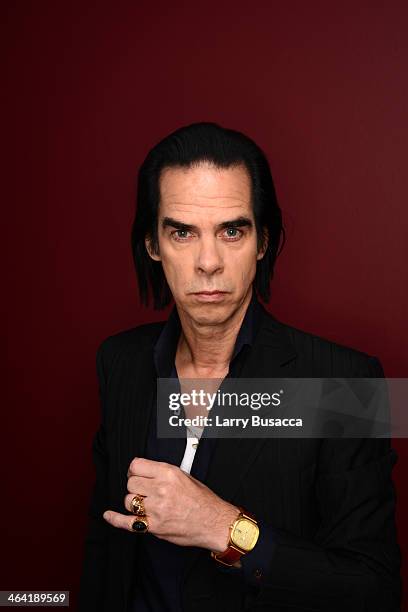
point(179, 508)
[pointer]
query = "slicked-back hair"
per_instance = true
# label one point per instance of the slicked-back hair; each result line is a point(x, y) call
point(187, 147)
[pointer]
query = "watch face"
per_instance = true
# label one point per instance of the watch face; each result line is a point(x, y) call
point(245, 534)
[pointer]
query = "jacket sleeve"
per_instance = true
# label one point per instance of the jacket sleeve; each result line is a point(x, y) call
point(256, 563)
point(94, 570)
point(353, 562)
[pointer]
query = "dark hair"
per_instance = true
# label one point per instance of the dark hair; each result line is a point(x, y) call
point(186, 147)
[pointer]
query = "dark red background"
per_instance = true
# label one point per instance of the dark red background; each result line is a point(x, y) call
point(88, 88)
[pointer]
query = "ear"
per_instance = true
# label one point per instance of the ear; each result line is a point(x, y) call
point(149, 248)
point(262, 252)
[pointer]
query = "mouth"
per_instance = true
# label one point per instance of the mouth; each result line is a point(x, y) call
point(209, 292)
point(210, 296)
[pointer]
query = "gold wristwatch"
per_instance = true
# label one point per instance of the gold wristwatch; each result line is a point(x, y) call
point(244, 533)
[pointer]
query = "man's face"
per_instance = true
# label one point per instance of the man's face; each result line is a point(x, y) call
point(207, 239)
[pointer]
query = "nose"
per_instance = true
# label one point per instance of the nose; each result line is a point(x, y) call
point(209, 257)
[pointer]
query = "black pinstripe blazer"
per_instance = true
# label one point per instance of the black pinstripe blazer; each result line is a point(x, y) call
point(331, 501)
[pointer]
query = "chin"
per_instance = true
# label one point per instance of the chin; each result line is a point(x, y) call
point(210, 313)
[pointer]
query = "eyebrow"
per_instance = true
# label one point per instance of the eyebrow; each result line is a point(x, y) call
point(179, 225)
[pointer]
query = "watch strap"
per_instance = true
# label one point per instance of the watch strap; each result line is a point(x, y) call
point(232, 553)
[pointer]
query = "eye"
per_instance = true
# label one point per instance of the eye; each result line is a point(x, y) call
point(233, 233)
point(180, 235)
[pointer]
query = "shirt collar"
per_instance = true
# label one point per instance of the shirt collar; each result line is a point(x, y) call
point(164, 350)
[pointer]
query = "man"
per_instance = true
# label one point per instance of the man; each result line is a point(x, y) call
point(315, 516)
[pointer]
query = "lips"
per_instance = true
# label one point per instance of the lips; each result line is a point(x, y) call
point(208, 292)
point(210, 296)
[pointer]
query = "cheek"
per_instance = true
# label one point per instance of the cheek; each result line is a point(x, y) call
point(246, 269)
point(175, 269)
point(247, 276)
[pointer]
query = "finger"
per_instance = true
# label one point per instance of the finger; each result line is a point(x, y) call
point(148, 468)
point(140, 485)
point(120, 521)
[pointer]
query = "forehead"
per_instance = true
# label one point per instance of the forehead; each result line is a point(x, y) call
point(205, 189)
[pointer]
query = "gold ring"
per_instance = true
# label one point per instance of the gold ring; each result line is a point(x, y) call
point(137, 506)
point(140, 525)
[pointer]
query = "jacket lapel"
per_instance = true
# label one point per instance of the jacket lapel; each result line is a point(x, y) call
point(135, 411)
point(232, 457)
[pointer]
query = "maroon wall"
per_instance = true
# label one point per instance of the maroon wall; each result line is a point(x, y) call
point(88, 88)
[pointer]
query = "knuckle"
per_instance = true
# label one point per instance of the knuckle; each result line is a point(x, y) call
point(132, 466)
point(162, 490)
point(131, 484)
point(170, 473)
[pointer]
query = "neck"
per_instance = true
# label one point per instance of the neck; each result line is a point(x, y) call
point(205, 350)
